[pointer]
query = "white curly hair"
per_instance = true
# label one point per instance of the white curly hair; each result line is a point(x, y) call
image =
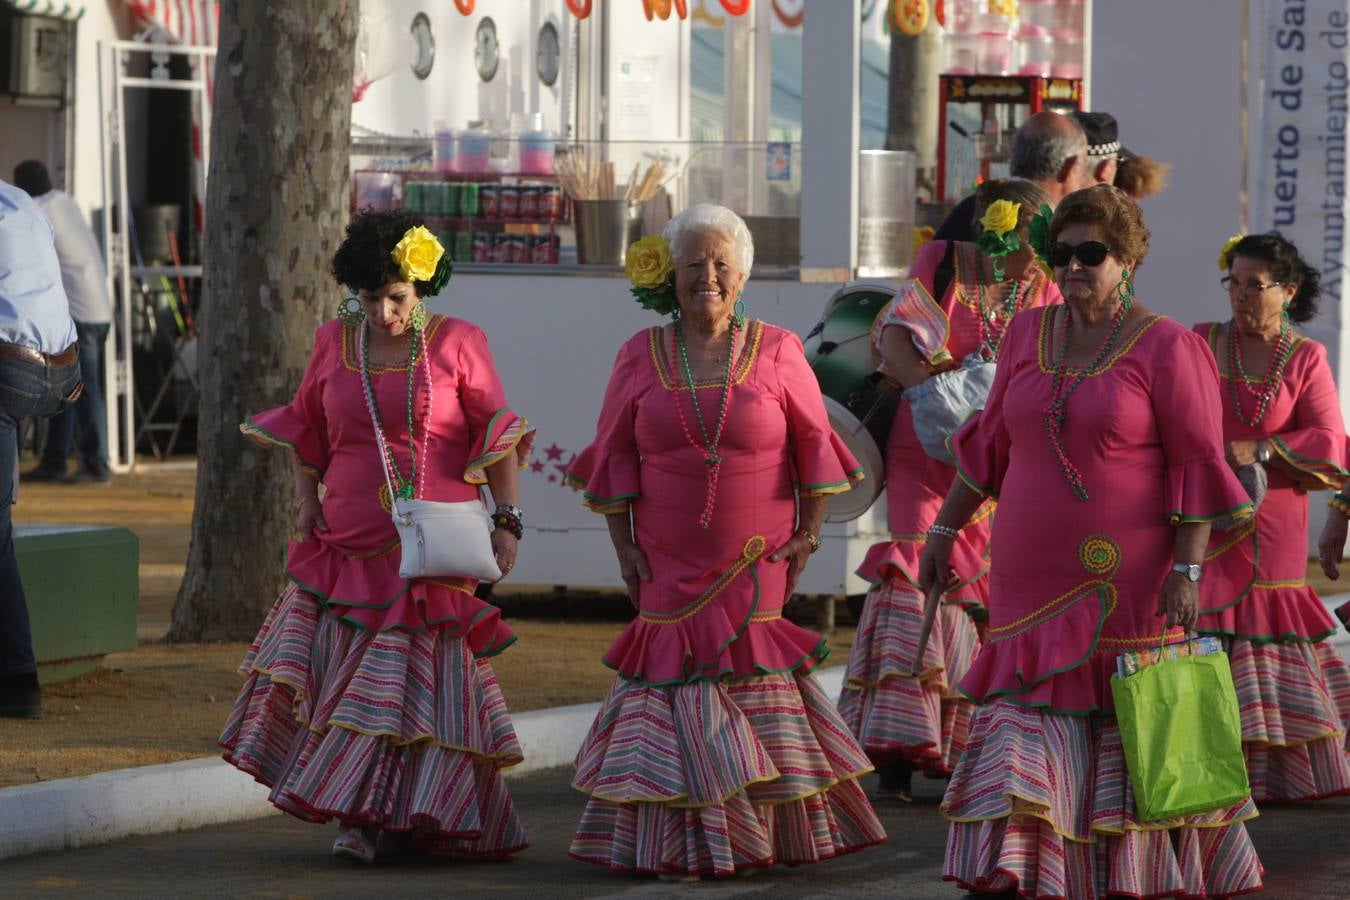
point(705, 217)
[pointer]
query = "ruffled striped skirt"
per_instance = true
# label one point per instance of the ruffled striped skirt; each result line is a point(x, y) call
point(1042, 803)
point(711, 777)
point(400, 731)
point(898, 717)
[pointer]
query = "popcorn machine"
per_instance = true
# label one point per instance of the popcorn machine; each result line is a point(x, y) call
point(977, 116)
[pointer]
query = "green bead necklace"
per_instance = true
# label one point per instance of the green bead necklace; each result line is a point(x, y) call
point(1284, 347)
point(991, 338)
point(710, 448)
point(406, 488)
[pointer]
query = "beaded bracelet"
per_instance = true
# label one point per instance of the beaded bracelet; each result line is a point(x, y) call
point(943, 531)
point(1341, 503)
point(508, 518)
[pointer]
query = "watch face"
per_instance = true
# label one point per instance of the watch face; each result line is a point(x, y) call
point(424, 46)
point(546, 59)
point(485, 49)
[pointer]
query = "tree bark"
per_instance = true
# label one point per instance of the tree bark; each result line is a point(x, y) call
point(912, 97)
point(275, 209)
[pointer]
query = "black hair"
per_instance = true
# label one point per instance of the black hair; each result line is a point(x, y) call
point(363, 260)
point(32, 177)
point(1287, 266)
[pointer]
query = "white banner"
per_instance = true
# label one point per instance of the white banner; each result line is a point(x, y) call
point(1301, 57)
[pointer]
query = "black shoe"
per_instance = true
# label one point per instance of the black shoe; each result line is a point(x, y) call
point(48, 474)
point(85, 475)
point(20, 696)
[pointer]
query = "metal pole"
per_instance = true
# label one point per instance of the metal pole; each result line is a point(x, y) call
point(124, 235)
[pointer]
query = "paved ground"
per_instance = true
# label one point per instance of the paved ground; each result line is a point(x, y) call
point(1306, 851)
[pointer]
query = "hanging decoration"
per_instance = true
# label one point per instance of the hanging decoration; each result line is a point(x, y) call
point(465, 7)
point(579, 8)
point(909, 17)
point(736, 7)
point(792, 16)
point(661, 9)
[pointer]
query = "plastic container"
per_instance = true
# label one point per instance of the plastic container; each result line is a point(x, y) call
point(445, 149)
point(961, 16)
point(1035, 50)
point(375, 190)
point(1067, 54)
point(994, 53)
point(536, 152)
point(885, 211)
point(473, 153)
point(962, 54)
point(1069, 16)
point(1039, 14)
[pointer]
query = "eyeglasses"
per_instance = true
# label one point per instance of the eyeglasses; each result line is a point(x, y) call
point(1089, 253)
point(1235, 287)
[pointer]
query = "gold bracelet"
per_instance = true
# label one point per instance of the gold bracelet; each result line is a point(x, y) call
point(811, 539)
point(1340, 503)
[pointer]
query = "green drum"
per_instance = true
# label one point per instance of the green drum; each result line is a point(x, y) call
point(858, 399)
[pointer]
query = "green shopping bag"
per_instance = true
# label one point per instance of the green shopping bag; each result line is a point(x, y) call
point(1182, 735)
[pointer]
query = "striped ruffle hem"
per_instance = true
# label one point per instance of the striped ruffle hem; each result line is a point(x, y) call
point(712, 777)
point(1295, 701)
point(895, 715)
point(1042, 804)
point(396, 730)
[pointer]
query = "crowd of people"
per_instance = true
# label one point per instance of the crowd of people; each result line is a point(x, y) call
point(1172, 464)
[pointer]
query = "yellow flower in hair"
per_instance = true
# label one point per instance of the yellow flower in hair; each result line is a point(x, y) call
point(1001, 217)
point(1226, 252)
point(648, 262)
point(417, 254)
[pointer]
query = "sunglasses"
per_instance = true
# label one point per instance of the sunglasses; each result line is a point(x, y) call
point(1089, 253)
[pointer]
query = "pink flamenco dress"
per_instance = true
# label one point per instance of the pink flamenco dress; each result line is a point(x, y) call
point(715, 751)
point(1041, 803)
point(369, 698)
point(1293, 686)
point(899, 718)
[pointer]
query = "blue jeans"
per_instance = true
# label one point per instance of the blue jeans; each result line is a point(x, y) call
point(88, 410)
point(26, 390)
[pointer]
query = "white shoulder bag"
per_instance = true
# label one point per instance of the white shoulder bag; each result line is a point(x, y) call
point(438, 539)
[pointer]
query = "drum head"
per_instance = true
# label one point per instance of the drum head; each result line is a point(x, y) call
point(849, 505)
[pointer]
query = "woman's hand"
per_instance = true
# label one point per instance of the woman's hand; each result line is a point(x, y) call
point(1240, 453)
point(1331, 545)
point(796, 551)
point(634, 569)
point(935, 563)
point(309, 517)
point(1178, 600)
point(504, 547)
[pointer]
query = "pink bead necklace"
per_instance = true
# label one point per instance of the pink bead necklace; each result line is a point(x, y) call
point(1237, 375)
point(710, 447)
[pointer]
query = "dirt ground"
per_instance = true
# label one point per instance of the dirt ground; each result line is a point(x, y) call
point(165, 702)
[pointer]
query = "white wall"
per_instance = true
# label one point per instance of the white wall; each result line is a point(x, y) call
point(1170, 74)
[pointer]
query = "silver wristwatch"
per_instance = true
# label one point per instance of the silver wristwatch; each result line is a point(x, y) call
point(1190, 570)
point(1263, 452)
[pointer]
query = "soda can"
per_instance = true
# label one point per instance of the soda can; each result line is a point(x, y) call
point(447, 239)
point(412, 196)
point(508, 201)
point(468, 199)
point(489, 201)
point(539, 247)
point(482, 247)
point(549, 204)
point(519, 249)
point(529, 201)
point(431, 198)
point(449, 198)
point(501, 247)
point(463, 251)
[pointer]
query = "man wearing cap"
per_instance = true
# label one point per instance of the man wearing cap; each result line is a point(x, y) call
point(1104, 151)
point(85, 282)
point(39, 376)
point(1050, 151)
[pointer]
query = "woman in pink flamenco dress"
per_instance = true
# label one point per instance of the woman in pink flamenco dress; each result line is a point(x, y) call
point(370, 698)
point(1293, 686)
point(1102, 442)
point(902, 721)
point(715, 750)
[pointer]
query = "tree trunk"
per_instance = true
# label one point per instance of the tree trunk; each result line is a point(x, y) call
point(275, 210)
point(912, 97)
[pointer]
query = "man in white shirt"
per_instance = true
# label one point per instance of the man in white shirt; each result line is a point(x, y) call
point(85, 281)
point(39, 376)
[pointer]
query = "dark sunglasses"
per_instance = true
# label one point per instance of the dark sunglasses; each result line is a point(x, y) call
point(1089, 253)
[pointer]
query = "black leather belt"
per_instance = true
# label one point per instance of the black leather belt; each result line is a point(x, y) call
point(28, 354)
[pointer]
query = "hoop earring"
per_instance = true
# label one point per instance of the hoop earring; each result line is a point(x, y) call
point(350, 311)
point(738, 313)
point(1125, 290)
point(419, 316)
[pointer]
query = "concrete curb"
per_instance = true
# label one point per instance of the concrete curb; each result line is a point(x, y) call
point(96, 809)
